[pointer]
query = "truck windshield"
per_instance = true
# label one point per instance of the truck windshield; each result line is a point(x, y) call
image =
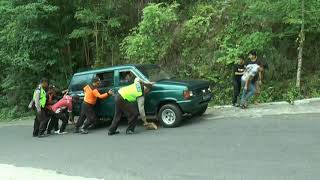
point(154, 73)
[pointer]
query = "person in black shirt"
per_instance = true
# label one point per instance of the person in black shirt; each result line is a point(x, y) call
point(237, 73)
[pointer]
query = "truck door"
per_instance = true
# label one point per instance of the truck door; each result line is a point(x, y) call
point(105, 107)
point(76, 88)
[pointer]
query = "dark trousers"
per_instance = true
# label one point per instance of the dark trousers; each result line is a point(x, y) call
point(123, 107)
point(87, 112)
point(40, 122)
point(236, 90)
point(54, 122)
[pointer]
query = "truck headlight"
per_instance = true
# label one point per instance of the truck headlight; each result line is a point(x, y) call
point(187, 94)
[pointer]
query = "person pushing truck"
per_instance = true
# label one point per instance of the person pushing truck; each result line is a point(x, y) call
point(126, 104)
point(91, 94)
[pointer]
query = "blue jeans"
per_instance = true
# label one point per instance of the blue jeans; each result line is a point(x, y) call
point(247, 94)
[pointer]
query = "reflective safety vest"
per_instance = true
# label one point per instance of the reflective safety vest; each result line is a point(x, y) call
point(43, 96)
point(131, 92)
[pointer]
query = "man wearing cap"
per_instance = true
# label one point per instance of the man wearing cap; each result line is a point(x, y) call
point(259, 77)
point(91, 94)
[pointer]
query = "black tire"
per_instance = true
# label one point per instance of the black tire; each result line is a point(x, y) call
point(170, 115)
point(202, 111)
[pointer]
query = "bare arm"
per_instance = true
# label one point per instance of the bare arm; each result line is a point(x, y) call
point(238, 73)
point(247, 82)
point(147, 84)
point(260, 75)
point(98, 95)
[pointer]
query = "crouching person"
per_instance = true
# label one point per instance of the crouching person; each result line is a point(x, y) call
point(62, 110)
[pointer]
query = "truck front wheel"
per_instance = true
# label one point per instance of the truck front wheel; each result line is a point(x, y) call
point(170, 115)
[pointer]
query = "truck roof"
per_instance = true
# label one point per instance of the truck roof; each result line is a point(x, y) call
point(119, 67)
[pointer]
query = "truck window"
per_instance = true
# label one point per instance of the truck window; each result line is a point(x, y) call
point(107, 79)
point(79, 81)
point(123, 78)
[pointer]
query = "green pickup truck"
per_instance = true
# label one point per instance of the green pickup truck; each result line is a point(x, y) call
point(168, 101)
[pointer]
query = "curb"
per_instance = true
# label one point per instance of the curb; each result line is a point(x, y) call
point(266, 104)
point(296, 102)
point(306, 101)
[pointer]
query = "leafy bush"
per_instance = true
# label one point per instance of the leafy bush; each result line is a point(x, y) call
point(292, 95)
point(150, 41)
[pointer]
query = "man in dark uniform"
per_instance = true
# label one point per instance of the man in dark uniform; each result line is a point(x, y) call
point(38, 104)
point(126, 104)
point(237, 73)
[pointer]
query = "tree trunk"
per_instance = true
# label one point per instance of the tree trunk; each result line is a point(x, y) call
point(86, 53)
point(300, 48)
point(69, 59)
point(112, 63)
point(97, 45)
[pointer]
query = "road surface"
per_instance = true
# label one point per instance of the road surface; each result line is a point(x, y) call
point(246, 148)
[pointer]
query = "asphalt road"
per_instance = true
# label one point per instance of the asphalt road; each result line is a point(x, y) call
point(248, 148)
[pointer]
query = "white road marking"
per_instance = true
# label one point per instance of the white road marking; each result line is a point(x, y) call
point(10, 172)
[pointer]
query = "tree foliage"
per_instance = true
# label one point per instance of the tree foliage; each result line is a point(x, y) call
point(150, 41)
point(194, 39)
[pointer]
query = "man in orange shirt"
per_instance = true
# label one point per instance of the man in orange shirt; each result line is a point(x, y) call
point(91, 94)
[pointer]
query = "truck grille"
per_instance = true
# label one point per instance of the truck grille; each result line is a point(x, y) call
point(201, 91)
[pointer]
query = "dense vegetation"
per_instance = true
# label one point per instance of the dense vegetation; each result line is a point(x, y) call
point(196, 39)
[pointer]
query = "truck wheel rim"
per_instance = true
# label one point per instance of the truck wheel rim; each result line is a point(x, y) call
point(168, 116)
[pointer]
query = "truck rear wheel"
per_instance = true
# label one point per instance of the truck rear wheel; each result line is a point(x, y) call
point(170, 115)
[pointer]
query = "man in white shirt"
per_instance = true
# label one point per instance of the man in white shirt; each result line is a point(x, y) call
point(248, 83)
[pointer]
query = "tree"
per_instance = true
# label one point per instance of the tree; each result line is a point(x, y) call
point(28, 48)
point(150, 41)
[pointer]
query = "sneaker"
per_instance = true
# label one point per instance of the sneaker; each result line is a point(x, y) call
point(84, 131)
point(244, 106)
point(129, 131)
point(113, 133)
point(57, 132)
point(43, 135)
point(62, 133)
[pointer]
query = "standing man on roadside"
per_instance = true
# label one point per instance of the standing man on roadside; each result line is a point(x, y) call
point(259, 76)
point(38, 104)
point(91, 94)
point(237, 74)
point(249, 83)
